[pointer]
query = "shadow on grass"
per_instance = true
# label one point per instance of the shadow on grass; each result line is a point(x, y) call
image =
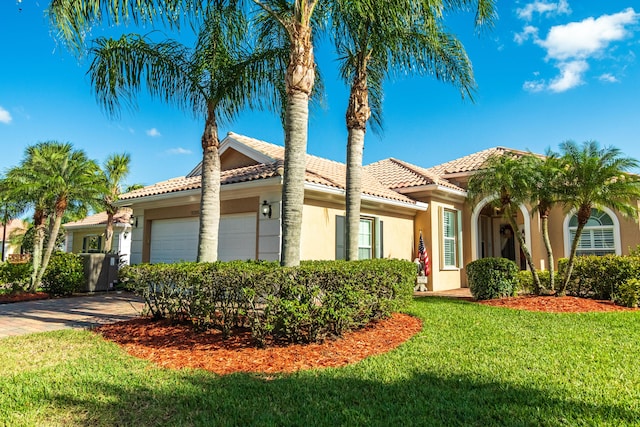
point(322, 398)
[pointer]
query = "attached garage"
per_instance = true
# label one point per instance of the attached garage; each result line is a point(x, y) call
point(174, 240)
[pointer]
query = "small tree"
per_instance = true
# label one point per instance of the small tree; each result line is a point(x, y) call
point(596, 177)
point(507, 179)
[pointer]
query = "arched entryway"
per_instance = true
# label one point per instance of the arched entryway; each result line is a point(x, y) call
point(492, 236)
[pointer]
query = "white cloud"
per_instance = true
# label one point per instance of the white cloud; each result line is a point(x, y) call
point(527, 32)
point(179, 150)
point(587, 38)
point(153, 132)
point(573, 45)
point(608, 77)
point(544, 7)
point(570, 76)
point(534, 86)
point(5, 116)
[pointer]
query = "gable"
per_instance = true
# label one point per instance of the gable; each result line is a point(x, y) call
point(233, 159)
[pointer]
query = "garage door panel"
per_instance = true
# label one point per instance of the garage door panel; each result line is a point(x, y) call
point(174, 240)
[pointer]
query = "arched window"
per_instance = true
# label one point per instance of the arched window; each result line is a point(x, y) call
point(598, 236)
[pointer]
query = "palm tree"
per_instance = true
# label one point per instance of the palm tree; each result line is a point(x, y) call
point(374, 40)
point(547, 179)
point(504, 178)
point(215, 80)
point(298, 19)
point(9, 210)
point(115, 170)
point(595, 178)
point(53, 177)
point(295, 18)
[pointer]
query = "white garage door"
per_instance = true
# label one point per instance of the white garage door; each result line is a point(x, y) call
point(174, 240)
point(237, 237)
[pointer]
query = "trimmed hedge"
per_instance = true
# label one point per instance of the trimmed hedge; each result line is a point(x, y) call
point(15, 276)
point(525, 279)
point(600, 277)
point(628, 294)
point(303, 304)
point(64, 274)
point(491, 278)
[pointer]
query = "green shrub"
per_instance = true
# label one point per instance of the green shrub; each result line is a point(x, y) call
point(599, 277)
point(64, 274)
point(303, 304)
point(491, 278)
point(15, 276)
point(628, 293)
point(525, 280)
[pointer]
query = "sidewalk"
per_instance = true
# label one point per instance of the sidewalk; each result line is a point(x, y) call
point(76, 312)
point(462, 293)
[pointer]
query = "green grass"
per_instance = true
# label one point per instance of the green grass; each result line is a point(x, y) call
point(471, 365)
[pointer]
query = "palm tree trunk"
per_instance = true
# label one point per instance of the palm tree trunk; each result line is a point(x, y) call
point(355, 146)
point(299, 83)
point(38, 241)
point(572, 255)
point(527, 255)
point(61, 206)
point(108, 232)
point(544, 221)
point(210, 197)
point(358, 112)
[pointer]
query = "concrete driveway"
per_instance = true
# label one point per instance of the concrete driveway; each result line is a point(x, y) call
point(78, 312)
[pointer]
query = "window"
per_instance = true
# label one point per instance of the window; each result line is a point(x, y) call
point(92, 244)
point(369, 238)
point(598, 236)
point(450, 238)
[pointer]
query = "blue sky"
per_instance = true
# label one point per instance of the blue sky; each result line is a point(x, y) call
point(549, 71)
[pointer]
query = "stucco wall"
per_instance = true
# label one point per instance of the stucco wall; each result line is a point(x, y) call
point(444, 278)
point(318, 238)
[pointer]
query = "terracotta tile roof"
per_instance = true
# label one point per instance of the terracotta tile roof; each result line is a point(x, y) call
point(319, 171)
point(122, 217)
point(325, 172)
point(470, 163)
point(396, 174)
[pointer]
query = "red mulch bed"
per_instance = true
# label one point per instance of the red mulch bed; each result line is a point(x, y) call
point(555, 304)
point(178, 346)
point(8, 298)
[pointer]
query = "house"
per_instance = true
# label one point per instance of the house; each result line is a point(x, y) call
point(400, 201)
point(87, 234)
point(6, 231)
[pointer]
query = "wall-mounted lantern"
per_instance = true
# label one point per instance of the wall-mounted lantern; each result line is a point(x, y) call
point(265, 208)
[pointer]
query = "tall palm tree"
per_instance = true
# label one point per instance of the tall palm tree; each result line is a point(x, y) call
point(115, 170)
point(375, 40)
point(215, 80)
point(53, 177)
point(547, 181)
point(504, 178)
point(596, 177)
point(295, 17)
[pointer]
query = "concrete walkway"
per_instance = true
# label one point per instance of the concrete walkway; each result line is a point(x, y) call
point(78, 312)
point(462, 293)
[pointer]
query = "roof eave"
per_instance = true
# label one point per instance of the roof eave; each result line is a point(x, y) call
point(418, 206)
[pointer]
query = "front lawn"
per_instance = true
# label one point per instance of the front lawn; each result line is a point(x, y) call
point(471, 365)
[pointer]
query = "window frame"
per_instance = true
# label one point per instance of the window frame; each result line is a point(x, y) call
point(376, 238)
point(568, 230)
point(455, 238)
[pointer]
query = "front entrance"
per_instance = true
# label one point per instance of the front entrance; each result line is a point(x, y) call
point(497, 239)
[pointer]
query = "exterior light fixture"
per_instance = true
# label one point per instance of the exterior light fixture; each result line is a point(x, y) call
point(265, 208)
point(133, 221)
